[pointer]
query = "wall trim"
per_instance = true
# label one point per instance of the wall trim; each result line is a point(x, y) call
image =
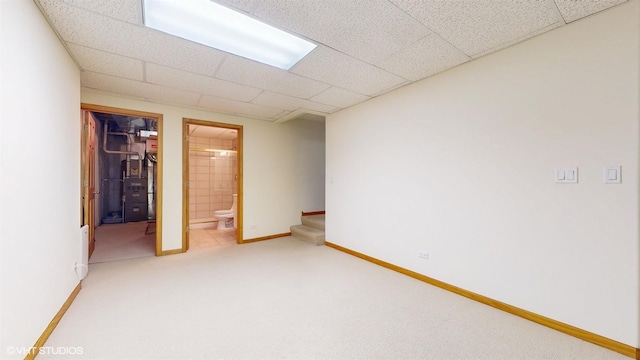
point(313, 213)
point(171, 252)
point(585, 335)
point(52, 325)
point(269, 237)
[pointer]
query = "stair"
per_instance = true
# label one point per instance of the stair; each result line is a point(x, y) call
point(311, 230)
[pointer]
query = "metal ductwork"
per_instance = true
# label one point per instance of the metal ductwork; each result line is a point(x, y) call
point(128, 152)
point(134, 141)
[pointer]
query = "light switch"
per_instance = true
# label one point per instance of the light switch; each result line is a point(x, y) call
point(612, 175)
point(566, 175)
point(570, 175)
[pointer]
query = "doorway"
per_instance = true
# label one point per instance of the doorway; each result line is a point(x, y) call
point(122, 182)
point(212, 184)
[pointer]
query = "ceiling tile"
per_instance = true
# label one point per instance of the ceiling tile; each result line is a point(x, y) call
point(369, 30)
point(252, 73)
point(339, 97)
point(573, 10)
point(334, 67)
point(290, 103)
point(426, 57)
point(107, 63)
point(138, 89)
point(125, 10)
point(519, 39)
point(240, 108)
point(164, 49)
point(162, 75)
point(478, 26)
point(87, 28)
point(243, 5)
point(96, 31)
point(366, 48)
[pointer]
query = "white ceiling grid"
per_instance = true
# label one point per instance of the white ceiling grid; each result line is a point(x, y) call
point(291, 103)
point(125, 10)
point(476, 26)
point(107, 63)
point(346, 72)
point(174, 78)
point(428, 56)
point(338, 97)
point(573, 10)
point(240, 108)
point(369, 30)
point(365, 48)
point(138, 89)
point(266, 77)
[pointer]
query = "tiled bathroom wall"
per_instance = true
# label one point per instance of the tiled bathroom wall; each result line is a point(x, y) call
point(212, 177)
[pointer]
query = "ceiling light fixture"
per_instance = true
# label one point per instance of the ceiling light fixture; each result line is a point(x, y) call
point(214, 25)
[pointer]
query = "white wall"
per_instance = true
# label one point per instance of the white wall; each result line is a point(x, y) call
point(276, 179)
point(40, 192)
point(466, 173)
point(40, 172)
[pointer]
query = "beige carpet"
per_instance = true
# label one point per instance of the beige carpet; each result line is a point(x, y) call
point(286, 299)
point(124, 241)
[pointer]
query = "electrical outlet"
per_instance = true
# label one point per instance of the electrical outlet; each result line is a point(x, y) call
point(254, 227)
point(423, 255)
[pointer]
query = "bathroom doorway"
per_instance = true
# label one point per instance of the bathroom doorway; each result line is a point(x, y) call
point(212, 184)
point(125, 182)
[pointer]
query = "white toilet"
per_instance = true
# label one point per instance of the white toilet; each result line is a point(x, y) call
point(226, 217)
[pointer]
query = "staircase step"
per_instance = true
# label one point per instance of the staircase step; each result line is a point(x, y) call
point(314, 221)
point(308, 234)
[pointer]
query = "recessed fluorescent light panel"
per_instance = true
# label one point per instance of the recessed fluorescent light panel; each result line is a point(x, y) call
point(214, 25)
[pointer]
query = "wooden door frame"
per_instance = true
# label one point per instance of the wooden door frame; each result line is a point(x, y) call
point(143, 114)
point(185, 176)
point(88, 177)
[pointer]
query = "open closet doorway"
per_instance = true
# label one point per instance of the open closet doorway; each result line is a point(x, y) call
point(122, 182)
point(212, 184)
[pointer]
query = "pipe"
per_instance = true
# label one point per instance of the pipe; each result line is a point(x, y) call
point(128, 157)
point(104, 147)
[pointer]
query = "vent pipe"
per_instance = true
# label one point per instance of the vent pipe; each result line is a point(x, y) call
point(104, 147)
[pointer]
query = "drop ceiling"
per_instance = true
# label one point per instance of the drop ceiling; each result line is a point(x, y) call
point(365, 48)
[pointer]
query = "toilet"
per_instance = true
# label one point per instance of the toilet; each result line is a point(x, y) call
point(226, 217)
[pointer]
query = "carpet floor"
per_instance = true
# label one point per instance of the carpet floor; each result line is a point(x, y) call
point(286, 299)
